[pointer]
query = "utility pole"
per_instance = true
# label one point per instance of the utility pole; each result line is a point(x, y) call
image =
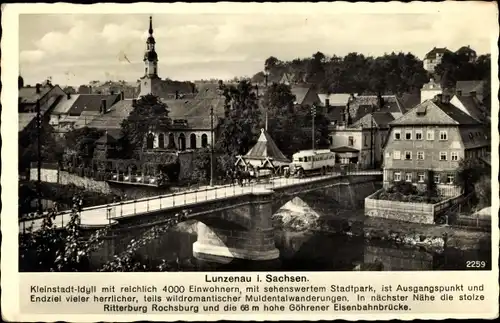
point(212, 146)
point(39, 157)
point(371, 140)
point(313, 114)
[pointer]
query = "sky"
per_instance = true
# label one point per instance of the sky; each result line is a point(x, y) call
point(74, 49)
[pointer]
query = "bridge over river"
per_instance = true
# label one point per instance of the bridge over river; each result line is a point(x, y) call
point(247, 209)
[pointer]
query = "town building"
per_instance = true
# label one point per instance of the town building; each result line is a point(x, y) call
point(430, 90)
point(334, 105)
point(361, 142)
point(46, 95)
point(434, 58)
point(472, 106)
point(430, 140)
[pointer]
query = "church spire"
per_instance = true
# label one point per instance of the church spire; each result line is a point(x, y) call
point(150, 26)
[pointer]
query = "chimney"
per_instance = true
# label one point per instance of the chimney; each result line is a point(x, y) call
point(38, 85)
point(103, 106)
point(122, 95)
point(473, 94)
point(134, 102)
point(112, 92)
point(68, 95)
point(438, 97)
point(446, 99)
point(459, 92)
point(327, 102)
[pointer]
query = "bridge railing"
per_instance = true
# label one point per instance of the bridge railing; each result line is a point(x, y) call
point(102, 214)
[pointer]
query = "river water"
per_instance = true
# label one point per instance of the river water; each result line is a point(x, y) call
point(314, 251)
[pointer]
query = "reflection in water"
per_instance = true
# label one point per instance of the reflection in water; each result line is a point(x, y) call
point(313, 251)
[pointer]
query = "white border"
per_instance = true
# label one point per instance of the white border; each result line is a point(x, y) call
point(10, 45)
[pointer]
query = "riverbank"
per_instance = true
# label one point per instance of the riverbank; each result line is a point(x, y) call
point(428, 236)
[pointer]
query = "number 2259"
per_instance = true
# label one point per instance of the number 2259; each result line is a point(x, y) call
point(475, 264)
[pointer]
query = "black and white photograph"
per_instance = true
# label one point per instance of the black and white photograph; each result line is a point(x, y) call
point(230, 142)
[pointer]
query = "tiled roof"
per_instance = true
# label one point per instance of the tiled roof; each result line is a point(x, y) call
point(266, 148)
point(410, 100)
point(114, 117)
point(363, 105)
point(344, 149)
point(25, 119)
point(300, 92)
point(465, 49)
point(474, 137)
point(197, 111)
point(472, 106)
point(380, 119)
point(91, 102)
point(434, 51)
point(436, 113)
point(336, 99)
point(28, 95)
point(65, 104)
point(469, 86)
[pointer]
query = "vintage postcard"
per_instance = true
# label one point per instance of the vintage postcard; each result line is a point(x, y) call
point(249, 161)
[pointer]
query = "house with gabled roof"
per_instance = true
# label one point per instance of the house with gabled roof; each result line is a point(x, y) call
point(305, 95)
point(430, 140)
point(361, 142)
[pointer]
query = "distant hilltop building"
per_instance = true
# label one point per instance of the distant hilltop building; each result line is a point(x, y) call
point(434, 58)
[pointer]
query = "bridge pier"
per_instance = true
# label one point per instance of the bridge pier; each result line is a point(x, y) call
point(252, 240)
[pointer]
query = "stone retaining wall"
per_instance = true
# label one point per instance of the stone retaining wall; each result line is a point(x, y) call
point(407, 211)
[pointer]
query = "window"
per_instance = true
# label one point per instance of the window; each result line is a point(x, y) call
point(397, 176)
point(397, 135)
point(443, 155)
point(437, 179)
point(418, 134)
point(397, 154)
point(408, 177)
point(408, 135)
point(351, 141)
point(454, 155)
point(331, 140)
point(407, 155)
point(421, 177)
point(430, 135)
point(420, 155)
point(443, 135)
point(365, 140)
point(450, 178)
point(204, 140)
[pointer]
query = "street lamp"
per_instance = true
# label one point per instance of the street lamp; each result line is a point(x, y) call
point(212, 146)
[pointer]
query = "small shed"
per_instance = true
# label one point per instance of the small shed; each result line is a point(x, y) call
point(264, 154)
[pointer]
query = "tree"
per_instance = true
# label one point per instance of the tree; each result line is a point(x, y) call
point(82, 140)
point(51, 148)
point(240, 126)
point(259, 77)
point(49, 249)
point(149, 114)
point(283, 125)
point(470, 170)
point(483, 191)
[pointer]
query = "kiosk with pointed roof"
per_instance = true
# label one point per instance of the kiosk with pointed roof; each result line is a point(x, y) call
point(265, 154)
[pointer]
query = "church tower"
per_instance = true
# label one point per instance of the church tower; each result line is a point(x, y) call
point(150, 82)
